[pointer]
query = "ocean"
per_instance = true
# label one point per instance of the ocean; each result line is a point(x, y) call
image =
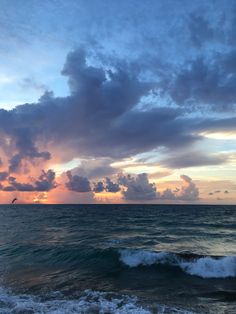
point(117, 259)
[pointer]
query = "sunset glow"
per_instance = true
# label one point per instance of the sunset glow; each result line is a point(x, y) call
point(107, 110)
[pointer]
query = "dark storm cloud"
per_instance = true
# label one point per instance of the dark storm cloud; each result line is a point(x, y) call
point(215, 125)
point(77, 183)
point(111, 186)
point(44, 183)
point(206, 83)
point(106, 185)
point(3, 175)
point(98, 187)
point(21, 136)
point(108, 93)
point(101, 116)
point(15, 161)
point(193, 159)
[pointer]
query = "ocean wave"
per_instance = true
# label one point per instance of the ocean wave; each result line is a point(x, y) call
point(91, 302)
point(202, 266)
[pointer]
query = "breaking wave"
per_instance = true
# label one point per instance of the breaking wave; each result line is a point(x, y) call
point(202, 266)
point(91, 302)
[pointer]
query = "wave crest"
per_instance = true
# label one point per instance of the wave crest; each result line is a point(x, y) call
point(204, 266)
point(90, 302)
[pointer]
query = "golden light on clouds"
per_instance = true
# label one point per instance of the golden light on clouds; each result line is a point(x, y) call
point(106, 197)
point(41, 198)
point(220, 135)
point(59, 168)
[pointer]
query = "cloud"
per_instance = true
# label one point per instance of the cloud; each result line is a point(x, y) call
point(106, 185)
point(102, 120)
point(101, 116)
point(95, 168)
point(77, 183)
point(159, 174)
point(111, 186)
point(218, 191)
point(3, 175)
point(230, 35)
point(187, 192)
point(138, 187)
point(211, 125)
point(98, 187)
point(193, 159)
point(45, 182)
point(22, 140)
point(168, 194)
point(136, 86)
point(103, 98)
point(200, 30)
point(206, 83)
point(30, 82)
point(15, 161)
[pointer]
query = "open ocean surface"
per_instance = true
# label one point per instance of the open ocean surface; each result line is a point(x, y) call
point(117, 259)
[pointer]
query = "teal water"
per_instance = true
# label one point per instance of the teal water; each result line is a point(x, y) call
point(117, 259)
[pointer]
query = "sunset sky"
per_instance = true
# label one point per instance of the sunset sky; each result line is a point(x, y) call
point(127, 101)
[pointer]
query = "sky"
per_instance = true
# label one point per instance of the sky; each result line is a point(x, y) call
point(129, 101)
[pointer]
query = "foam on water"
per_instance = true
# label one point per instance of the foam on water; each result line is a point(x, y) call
point(92, 302)
point(208, 267)
point(134, 258)
point(205, 267)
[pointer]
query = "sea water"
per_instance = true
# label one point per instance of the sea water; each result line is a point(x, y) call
point(117, 259)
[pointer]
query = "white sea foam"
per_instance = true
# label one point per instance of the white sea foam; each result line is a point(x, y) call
point(208, 267)
point(205, 267)
point(92, 302)
point(134, 258)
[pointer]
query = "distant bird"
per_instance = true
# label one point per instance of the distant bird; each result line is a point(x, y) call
point(14, 199)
